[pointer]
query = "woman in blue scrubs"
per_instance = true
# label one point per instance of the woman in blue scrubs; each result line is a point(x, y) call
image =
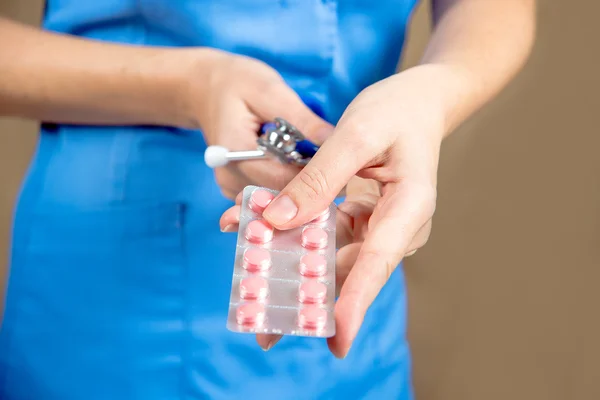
point(119, 276)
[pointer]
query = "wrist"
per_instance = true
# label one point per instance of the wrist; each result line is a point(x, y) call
point(185, 75)
point(454, 90)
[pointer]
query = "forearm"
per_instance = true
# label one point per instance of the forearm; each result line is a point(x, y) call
point(63, 79)
point(476, 48)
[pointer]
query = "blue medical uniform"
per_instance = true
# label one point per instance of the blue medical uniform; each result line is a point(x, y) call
point(119, 280)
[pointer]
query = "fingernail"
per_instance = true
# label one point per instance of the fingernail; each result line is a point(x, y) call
point(228, 229)
point(272, 343)
point(281, 211)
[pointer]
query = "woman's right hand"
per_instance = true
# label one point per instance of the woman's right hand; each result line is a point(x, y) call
point(235, 95)
point(80, 81)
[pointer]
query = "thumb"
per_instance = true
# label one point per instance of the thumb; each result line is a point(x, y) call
point(317, 184)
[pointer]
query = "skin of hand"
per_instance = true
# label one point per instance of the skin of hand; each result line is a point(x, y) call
point(392, 133)
point(65, 79)
point(396, 195)
point(242, 94)
point(352, 222)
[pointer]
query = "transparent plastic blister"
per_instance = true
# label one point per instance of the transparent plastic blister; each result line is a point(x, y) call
point(283, 281)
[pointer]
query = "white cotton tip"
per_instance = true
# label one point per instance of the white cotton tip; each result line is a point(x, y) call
point(216, 156)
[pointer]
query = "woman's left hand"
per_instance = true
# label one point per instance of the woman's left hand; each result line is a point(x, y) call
point(352, 220)
point(391, 133)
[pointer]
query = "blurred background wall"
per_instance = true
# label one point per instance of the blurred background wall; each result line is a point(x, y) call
point(503, 300)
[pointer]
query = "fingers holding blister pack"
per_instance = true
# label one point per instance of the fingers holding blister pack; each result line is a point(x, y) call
point(283, 281)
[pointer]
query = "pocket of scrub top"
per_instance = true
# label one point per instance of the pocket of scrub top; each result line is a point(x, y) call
point(101, 297)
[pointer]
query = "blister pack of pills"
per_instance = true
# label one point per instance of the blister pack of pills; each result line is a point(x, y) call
point(283, 281)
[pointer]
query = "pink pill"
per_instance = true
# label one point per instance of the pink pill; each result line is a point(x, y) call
point(313, 264)
point(324, 216)
point(314, 238)
point(256, 259)
point(312, 292)
point(259, 231)
point(312, 317)
point(259, 200)
point(250, 314)
point(254, 288)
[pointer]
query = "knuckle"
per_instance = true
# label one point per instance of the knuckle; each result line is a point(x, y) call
point(427, 233)
point(356, 134)
point(416, 245)
point(267, 87)
point(411, 253)
point(315, 182)
point(270, 86)
point(357, 127)
point(424, 198)
point(422, 241)
point(424, 235)
point(429, 201)
point(427, 193)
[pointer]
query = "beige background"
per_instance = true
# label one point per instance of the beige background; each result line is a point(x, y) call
point(503, 300)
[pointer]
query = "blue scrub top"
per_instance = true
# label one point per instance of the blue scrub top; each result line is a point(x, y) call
point(119, 279)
